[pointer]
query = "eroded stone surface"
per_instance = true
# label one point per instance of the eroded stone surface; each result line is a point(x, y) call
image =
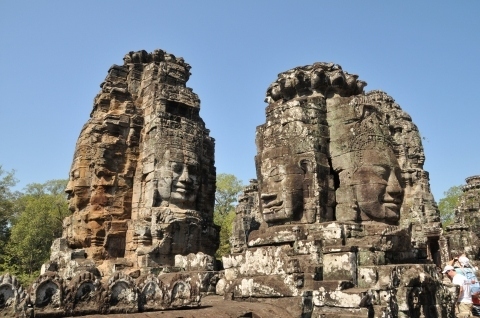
point(463, 234)
point(345, 205)
point(141, 193)
point(141, 184)
point(340, 221)
point(12, 295)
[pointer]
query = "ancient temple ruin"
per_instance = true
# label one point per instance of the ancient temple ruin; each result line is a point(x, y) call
point(339, 222)
point(341, 217)
point(141, 193)
point(463, 234)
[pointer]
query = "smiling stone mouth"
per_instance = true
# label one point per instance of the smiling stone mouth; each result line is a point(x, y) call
point(392, 206)
point(182, 188)
point(270, 203)
point(391, 201)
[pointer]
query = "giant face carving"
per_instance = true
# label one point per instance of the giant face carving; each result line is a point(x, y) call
point(376, 185)
point(78, 187)
point(178, 183)
point(290, 150)
point(281, 197)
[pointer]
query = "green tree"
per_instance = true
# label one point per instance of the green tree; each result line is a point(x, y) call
point(7, 207)
point(228, 188)
point(448, 203)
point(225, 222)
point(42, 210)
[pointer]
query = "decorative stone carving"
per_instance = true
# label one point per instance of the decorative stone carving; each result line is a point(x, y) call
point(83, 295)
point(46, 295)
point(341, 221)
point(248, 217)
point(151, 294)
point(141, 193)
point(344, 200)
point(183, 290)
point(121, 294)
point(142, 180)
point(463, 234)
point(12, 295)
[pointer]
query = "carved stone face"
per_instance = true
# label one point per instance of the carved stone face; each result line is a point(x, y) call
point(178, 183)
point(281, 194)
point(78, 187)
point(376, 185)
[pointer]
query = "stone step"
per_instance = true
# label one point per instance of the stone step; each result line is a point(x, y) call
point(332, 312)
point(328, 284)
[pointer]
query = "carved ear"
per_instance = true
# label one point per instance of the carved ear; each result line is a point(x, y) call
point(306, 165)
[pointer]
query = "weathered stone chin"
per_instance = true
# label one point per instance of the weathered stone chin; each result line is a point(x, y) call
point(392, 211)
point(393, 207)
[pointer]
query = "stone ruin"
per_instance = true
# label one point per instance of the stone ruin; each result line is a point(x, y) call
point(463, 234)
point(340, 221)
point(141, 192)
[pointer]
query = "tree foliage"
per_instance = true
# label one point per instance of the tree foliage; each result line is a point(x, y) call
point(42, 210)
point(448, 203)
point(225, 222)
point(228, 188)
point(7, 206)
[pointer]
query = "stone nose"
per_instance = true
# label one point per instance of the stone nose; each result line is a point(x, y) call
point(394, 190)
point(69, 188)
point(184, 176)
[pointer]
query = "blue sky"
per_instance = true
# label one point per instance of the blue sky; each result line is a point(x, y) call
point(54, 54)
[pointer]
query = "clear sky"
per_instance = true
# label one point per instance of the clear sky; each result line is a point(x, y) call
point(54, 54)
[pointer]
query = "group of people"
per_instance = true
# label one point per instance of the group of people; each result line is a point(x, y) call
point(462, 273)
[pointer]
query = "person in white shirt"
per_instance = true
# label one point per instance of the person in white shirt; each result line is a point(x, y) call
point(463, 309)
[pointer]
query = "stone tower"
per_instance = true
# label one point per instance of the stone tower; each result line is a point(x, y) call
point(142, 181)
point(348, 223)
point(463, 234)
point(141, 193)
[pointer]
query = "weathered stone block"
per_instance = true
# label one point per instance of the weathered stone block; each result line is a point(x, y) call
point(367, 276)
point(349, 298)
point(195, 262)
point(265, 286)
point(370, 258)
point(339, 266)
point(232, 260)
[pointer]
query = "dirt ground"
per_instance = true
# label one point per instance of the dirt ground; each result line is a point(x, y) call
point(213, 306)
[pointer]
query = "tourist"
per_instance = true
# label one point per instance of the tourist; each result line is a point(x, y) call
point(463, 308)
point(466, 269)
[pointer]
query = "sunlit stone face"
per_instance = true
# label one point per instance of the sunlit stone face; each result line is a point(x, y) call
point(376, 185)
point(78, 187)
point(281, 195)
point(178, 183)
